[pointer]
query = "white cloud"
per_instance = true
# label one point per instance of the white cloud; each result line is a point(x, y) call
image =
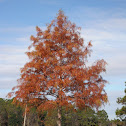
point(9, 49)
point(22, 30)
point(109, 42)
point(25, 39)
point(18, 35)
point(102, 35)
point(14, 55)
point(111, 24)
point(12, 58)
point(18, 29)
point(9, 71)
point(117, 65)
point(8, 83)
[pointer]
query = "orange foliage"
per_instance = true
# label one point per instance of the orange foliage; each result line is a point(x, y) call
point(56, 74)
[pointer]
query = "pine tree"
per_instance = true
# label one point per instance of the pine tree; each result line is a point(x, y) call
point(121, 113)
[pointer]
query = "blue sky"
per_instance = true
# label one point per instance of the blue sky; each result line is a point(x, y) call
point(102, 21)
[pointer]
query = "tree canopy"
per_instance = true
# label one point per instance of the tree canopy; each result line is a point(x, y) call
point(57, 74)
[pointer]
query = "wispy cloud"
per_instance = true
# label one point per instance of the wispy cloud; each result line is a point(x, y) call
point(23, 39)
point(11, 71)
point(102, 35)
point(18, 29)
point(7, 83)
point(12, 58)
point(109, 42)
point(11, 49)
point(111, 24)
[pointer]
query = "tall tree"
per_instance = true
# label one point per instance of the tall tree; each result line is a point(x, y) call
point(57, 74)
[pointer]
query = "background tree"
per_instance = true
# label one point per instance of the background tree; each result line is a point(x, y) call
point(102, 118)
point(116, 122)
point(121, 113)
point(3, 113)
point(10, 115)
point(14, 113)
point(57, 74)
point(85, 117)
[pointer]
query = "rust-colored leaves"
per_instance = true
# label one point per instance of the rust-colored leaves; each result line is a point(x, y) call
point(56, 74)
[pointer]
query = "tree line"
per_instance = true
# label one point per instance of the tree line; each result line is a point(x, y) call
point(13, 115)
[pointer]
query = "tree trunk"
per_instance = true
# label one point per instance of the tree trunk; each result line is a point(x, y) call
point(25, 116)
point(59, 116)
